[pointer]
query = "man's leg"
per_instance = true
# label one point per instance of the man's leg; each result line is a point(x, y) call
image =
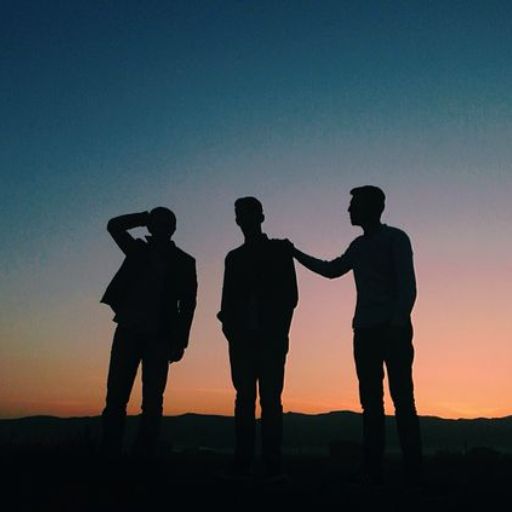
point(273, 349)
point(271, 381)
point(124, 360)
point(399, 358)
point(155, 367)
point(243, 374)
point(369, 366)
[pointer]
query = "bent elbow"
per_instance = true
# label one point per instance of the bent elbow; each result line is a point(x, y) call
point(111, 225)
point(333, 273)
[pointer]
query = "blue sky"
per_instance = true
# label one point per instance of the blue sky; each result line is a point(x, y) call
point(111, 107)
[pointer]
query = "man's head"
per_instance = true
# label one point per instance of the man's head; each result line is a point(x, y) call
point(162, 222)
point(367, 205)
point(249, 215)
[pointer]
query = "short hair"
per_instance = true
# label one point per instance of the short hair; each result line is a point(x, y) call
point(249, 204)
point(373, 197)
point(164, 213)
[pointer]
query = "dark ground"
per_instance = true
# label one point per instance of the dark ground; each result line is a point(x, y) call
point(51, 464)
point(74, 479)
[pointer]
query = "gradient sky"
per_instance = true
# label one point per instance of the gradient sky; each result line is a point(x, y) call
point(114, 107)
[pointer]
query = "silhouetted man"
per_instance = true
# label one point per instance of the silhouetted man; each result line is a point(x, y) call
point(382, 262)
point(258, 298)
point(153, 296)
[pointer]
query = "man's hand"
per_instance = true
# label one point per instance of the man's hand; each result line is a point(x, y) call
point(290, 248)
point(175, 354)
point(230, 331)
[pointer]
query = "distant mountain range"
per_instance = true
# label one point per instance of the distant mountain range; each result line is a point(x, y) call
point(322, 433)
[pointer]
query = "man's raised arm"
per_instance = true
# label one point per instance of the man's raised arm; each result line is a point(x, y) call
point(118, 228)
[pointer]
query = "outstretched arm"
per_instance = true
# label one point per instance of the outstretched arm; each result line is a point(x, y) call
point(118, 228)
point(329, 269)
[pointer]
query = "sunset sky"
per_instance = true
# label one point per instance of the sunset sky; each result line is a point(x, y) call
point(115, 107)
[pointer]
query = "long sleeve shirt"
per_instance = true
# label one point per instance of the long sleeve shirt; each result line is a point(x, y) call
point(383, 268)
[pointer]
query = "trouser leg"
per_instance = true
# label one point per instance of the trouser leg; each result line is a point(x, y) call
point(271, 381)
point(369, 366)
point(399, 359)
point(155, 366)
point(124, 360)
point(243, 374)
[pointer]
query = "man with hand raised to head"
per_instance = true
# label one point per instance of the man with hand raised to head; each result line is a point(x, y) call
point(153, 296)
point(259, 295)
point(382, 262)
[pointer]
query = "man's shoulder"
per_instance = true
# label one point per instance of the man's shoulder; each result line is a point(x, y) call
point(395, 232)
point(281, 248)
point(234, 254)
point(356, 241)
point(398, 239)
point(354, 246)
point(274, 245)
point(184, 256)
point(279, 243)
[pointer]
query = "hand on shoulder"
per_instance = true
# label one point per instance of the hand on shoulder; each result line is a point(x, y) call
point(288, 246)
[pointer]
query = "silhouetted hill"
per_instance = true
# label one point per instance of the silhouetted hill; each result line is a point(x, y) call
point(52, 464)
point(335, 431)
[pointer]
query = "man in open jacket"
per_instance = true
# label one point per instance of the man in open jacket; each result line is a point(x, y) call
point(153, 296)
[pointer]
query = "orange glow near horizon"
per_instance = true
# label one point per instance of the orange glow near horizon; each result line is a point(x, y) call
point(456, 375)
point(56, 336)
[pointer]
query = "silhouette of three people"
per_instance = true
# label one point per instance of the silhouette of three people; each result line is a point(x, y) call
point(153, 296)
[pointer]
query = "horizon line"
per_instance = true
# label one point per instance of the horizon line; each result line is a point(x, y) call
point(52, 416)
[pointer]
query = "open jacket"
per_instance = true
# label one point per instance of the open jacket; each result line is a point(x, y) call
point(176, 299)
